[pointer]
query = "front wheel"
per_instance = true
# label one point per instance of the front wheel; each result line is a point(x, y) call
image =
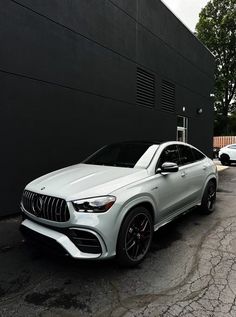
point(225, 160)
point(208, 199)
point(135, 237)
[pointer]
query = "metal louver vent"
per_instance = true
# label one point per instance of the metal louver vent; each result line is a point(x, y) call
point(168, 96)
point(145, 88)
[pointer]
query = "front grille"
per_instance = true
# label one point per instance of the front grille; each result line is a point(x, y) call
point(46, 207)
point(85, 241)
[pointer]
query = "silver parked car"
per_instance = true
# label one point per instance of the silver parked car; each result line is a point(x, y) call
point(111, 203)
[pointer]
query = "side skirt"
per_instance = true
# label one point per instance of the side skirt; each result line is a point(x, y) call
point(176, 215)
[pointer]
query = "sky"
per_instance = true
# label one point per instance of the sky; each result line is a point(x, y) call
point(186, 10)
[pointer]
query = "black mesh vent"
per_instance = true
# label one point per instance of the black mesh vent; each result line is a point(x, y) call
point(85, 241)
point(168, 96)
point(145, 88)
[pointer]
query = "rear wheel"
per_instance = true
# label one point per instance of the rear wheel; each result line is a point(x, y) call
point(135, 237)
point(208, 199)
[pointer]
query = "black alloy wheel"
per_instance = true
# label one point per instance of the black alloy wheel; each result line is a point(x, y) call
point(225, 160)
point(209, 199)
point(135, 237)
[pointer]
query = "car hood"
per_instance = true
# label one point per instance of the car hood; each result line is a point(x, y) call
point(85, 180)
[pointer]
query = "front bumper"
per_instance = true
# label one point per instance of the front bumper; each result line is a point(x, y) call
point(67, 241)
point(103, 227)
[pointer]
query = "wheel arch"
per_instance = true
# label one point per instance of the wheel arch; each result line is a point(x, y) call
point(211, 178)
point(224, 155)
point(138, 202)
point(147, 205)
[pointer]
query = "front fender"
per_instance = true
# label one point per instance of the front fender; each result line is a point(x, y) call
point(133, 202)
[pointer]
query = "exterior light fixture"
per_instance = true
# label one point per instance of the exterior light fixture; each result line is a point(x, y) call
point(212, 95)
point(199, 111)
point(184, 108)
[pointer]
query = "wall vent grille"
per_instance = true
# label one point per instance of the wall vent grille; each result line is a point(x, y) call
point(168, 96)
point(145, 88)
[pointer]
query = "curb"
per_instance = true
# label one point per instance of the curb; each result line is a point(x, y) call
point(221, 168)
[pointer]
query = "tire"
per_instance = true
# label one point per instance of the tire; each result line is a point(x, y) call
point(208, 199)
point(135, 237)
point(225, 159)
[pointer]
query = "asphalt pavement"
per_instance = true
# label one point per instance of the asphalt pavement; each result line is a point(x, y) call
point(190, 271)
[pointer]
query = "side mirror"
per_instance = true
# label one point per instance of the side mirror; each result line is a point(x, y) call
point(169, 167)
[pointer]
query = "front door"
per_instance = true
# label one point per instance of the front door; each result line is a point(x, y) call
point(232, 152)
point(170, 194)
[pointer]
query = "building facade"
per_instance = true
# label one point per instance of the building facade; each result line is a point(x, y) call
point(78, 74)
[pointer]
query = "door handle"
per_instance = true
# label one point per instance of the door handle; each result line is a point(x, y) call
point(183, 174)
point(204, 167)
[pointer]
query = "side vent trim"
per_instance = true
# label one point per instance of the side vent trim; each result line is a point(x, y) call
point(145, 94)
point(167, 96)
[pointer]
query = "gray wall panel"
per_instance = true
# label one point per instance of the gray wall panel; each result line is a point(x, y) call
point(102, 22)
point(41, 49)
point(130, 7)
point(157, 18)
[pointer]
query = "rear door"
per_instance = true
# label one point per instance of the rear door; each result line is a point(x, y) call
point(232, 152)
point(193, 166)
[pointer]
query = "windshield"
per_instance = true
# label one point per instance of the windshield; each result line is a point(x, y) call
point(124, 155)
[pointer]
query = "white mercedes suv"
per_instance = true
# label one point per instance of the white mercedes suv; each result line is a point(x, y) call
point(227, 154)
point(111, 203)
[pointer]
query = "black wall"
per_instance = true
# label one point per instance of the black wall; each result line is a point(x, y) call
point(68, 82)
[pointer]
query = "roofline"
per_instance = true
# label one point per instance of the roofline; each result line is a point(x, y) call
point(190, 31)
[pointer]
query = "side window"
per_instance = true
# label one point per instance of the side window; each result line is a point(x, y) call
point(232, 147)
point(197, 155)
point(169, 154)
point(186, 155)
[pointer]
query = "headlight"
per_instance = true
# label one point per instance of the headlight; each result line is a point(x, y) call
point(94, 204)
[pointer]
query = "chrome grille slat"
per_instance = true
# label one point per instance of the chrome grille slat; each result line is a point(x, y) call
point(31, 196)
point(46, 207)
point(56, 208)
point(26, 199)
point(51, 210)
point(30, 199)
point(59, 211)
point(61, 207)
point(66, 208)
point(43, 207)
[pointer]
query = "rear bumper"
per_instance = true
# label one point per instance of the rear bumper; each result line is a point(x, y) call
point(54, 239)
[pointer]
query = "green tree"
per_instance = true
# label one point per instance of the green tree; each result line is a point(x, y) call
point(217, 30)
